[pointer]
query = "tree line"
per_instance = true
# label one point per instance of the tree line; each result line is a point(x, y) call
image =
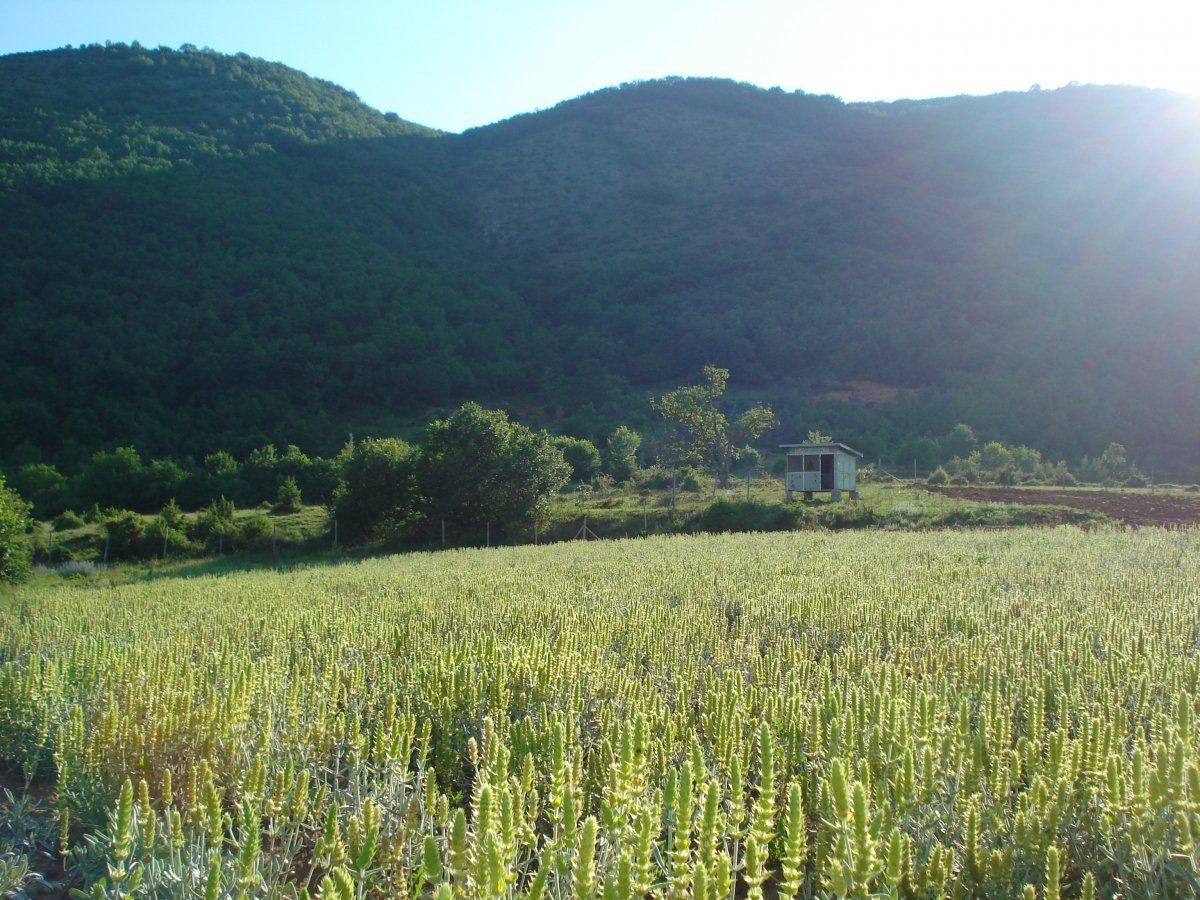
point(476, 470)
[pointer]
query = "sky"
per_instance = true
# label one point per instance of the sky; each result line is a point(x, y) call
point(457, 64)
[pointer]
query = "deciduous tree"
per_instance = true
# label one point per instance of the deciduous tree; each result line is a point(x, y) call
point(479, 467)
point(702, 430)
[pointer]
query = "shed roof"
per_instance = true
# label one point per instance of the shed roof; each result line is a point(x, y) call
point(828, 445)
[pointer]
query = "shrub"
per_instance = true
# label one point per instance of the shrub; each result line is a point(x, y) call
point(846, 515)
point(938, 476)
point(14, 548)
point(581, 455)
point(1137, 479)
point(288, 498)
point(67, 520)
point(740, 515)
point(168, 529)
point(125, 533)
point(620, 454)
point(215, 525)
point(255, 531)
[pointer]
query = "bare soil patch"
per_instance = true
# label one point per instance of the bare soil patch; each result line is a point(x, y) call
point(1130, 508)
point(869, 392)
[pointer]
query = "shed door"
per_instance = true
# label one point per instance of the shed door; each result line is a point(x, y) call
point(827, 471)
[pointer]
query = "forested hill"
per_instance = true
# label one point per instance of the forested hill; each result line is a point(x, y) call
point(199, 250)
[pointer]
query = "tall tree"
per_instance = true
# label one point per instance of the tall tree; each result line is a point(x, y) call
point(702, 430)
point(479, 467)
point(620, 454)
point(378, 494)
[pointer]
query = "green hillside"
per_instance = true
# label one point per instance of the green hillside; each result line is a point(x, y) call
point(1026, 258)
point(201, 251)
point(288, 265)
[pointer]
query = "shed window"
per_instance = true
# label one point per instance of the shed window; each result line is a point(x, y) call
point(812, 463)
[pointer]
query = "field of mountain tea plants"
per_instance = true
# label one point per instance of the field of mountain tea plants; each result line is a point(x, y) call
point(989, 714)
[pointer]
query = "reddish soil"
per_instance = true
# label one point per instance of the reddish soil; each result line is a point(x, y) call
point(1130, 508)
point(870, 392)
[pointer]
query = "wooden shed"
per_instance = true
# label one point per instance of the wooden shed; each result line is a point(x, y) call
point(830, 467)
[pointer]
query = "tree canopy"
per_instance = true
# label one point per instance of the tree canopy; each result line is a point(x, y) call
point(702, 430)
point(479, 467)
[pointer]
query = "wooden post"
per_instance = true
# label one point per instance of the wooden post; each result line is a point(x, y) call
point(272, 538)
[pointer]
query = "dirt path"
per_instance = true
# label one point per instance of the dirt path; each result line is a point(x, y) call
point(1131, 508)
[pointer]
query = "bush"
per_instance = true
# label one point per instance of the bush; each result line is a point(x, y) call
point(169, 530)
point(740, 515)
point(288, 498)
point(846, 515)
point(581, 455)
point(1137, 479)
point(42, 486)
point(215, 525)
point(938, 476)
point(68, 519)
point(125, 534)
point(254, 531)
point(959, 481)
point(620, 454)
point(14, 547)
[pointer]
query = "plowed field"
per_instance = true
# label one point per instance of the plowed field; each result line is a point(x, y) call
point(1128, 507)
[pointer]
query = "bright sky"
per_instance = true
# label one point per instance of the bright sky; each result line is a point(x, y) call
point(454, 64)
